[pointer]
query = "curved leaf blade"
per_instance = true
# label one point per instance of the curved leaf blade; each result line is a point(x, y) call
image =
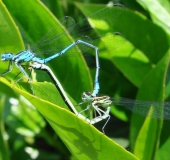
point(81, 138)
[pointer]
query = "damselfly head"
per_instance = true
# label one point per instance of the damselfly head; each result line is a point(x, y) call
point(87, 96)
point(6, 56)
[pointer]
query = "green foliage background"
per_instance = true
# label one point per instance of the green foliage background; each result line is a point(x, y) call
point(139, 69)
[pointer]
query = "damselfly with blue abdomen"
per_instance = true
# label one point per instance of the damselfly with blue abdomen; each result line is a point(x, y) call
point(85, 37)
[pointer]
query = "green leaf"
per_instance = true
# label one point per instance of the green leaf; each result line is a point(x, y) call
point(165, 4)
point(134, 55)
point(78, 136)
point(158, 13)
point(10, 36)
point(144, 131)
point(55, 7)
point(164, 146)
point(10, 40)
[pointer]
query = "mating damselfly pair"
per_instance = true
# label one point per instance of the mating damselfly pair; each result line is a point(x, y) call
point(85, 37)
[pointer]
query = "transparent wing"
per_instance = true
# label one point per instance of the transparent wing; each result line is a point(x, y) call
point(50, 38)
point(159, 110)
point(57, 39)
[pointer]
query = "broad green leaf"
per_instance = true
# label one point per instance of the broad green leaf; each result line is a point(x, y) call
point(165, 4)
point(163, 151)
point(133, 5)
point(137, 54)
point(148, 133)
point(10, 40)
point(144, 131)
point(81, 138)
point(10, 36)
point(164, 142)
point(8, 92)
point(158, 13)
point(55, 7)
